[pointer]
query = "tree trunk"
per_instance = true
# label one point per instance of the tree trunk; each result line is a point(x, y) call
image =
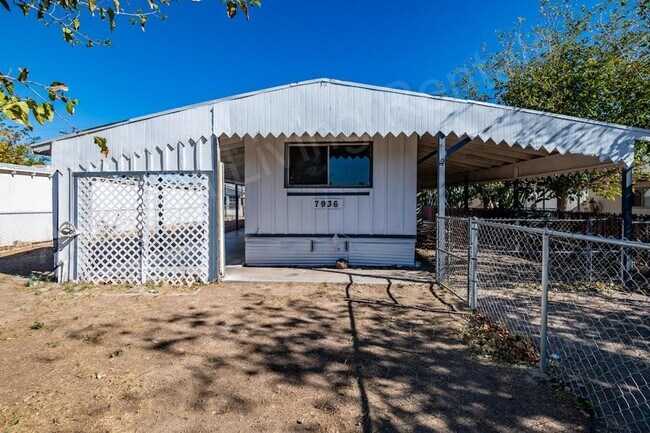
point(562, 201)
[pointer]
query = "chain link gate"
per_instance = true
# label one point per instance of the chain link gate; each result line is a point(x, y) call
point(143, 227)
point(452, 250)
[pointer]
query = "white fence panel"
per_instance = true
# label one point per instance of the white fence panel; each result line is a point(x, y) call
point(139, 228)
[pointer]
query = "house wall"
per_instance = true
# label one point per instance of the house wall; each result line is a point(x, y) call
point(614, 206)
point(25, 208)
point(379, 226)
point(174, 141)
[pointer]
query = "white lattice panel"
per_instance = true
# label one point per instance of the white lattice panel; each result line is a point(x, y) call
point(139, 228)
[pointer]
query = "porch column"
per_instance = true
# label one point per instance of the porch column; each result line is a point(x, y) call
point(217, 232)
point(442, 203)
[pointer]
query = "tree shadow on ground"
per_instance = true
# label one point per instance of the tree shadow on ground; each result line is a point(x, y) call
point(391, 353)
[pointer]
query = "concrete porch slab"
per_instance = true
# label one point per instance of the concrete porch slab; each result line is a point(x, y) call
point(324, 275)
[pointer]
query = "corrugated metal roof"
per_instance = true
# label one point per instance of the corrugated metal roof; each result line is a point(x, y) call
point(329, 107)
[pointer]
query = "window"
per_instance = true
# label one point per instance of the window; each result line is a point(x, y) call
point(330, 165)
point(641, 198)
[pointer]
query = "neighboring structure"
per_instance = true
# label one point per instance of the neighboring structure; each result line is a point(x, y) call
point(331, 171)
point(25, 204)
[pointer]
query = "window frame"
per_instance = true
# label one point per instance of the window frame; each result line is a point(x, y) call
point(289, 144)
point(641, 191)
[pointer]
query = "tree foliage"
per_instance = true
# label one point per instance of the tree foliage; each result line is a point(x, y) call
point(22, 99)
point(586, 62)
point(14, 144)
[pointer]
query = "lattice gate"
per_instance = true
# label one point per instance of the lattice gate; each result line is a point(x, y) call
point(143, 227)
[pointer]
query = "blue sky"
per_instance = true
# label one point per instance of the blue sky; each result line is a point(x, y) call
point(198, 54)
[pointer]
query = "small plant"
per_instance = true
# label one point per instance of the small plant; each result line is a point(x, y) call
point(37, 325)
point(32, 280)
point(485, 337)
point(71, 287)
point(54, 344)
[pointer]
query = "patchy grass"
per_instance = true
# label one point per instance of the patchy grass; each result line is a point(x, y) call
point(37, 325)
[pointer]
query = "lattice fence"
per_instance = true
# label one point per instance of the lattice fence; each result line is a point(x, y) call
point(139, 228)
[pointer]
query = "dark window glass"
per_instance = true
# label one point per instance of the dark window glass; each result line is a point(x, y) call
point(307, 165)
point(350, 165)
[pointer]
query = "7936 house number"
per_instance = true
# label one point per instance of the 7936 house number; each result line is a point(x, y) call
point(328, 203)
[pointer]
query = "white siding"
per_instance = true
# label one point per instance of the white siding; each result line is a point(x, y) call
point(389, 209)
point(297, 251)
point(279, 225)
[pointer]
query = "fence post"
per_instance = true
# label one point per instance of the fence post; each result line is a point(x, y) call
point(590, 251)
point(543, 344)
point(473, 264)
point(441, 246)
point(144, 230)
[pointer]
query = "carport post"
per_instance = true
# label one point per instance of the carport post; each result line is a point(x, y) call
point(236, 207)
point(442, 202)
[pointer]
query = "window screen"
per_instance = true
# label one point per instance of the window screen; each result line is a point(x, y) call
point(308, 165)
point(334, 165)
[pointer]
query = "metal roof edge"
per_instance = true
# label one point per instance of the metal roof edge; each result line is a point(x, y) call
point(644, 134)
point(25, 169)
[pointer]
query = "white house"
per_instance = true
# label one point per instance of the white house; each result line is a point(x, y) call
point(331, 170)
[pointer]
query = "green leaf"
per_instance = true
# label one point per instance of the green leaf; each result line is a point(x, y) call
point(57, 86)
point(116, 5)
point(68, 36)
point(23, 75)
point(92, 5)
point(18, 111)
point(231, 9)
point(69, 106)
point(101, 142)
point(76, 23)
point(5, 4)
point(9, 85)
point(111, 18)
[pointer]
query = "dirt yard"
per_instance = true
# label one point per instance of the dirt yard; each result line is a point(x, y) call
point(266, 358)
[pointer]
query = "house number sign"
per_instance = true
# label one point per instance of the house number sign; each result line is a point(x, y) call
point(328, 203)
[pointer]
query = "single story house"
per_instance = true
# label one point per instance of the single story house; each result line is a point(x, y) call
point(331, 170)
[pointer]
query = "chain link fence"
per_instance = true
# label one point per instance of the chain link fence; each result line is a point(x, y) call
point(453, 256)
point(19, 228)
point(583, 301)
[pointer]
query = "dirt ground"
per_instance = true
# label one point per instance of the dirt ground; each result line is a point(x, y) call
point(266, 358)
